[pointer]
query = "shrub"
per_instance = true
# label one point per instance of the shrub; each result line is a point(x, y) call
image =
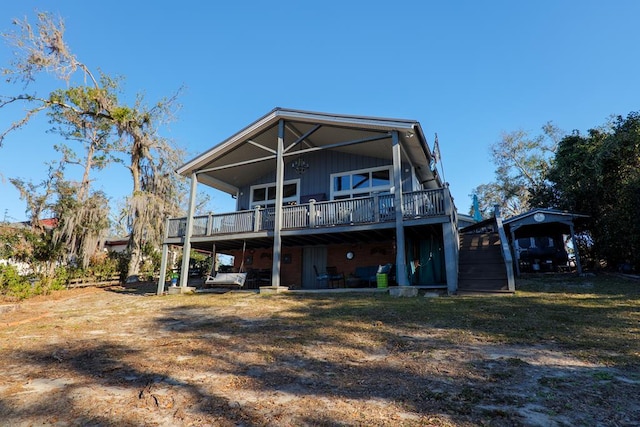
point(13, 285)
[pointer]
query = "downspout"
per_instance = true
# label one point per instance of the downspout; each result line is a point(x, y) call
point(277, 225)
point(186, 248)
point(401, 257)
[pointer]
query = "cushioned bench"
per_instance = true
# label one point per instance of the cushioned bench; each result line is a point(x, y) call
point(366, 276)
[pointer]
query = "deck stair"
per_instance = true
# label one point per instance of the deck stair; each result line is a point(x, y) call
point(481, 266)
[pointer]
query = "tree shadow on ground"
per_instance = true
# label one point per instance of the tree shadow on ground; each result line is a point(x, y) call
point(343, 349)
point(100, 371)
point(246, 359)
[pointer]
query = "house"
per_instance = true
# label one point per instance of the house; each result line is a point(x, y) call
point(317, 190)
point(114, 244)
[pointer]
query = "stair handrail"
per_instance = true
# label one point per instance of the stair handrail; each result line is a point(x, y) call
point(506, 250)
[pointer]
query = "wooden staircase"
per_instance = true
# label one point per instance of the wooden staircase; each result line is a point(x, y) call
point(481, 266)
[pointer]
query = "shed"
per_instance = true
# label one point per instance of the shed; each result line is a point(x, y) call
point(535, 236)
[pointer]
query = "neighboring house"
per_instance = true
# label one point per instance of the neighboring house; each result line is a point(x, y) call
point(115, 244)
point(317, 190)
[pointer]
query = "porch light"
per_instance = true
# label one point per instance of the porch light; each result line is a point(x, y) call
point(300, 165)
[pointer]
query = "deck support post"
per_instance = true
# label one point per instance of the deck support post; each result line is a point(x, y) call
point(163, 260)
point(451, 244)
point(277, 226)
point(401, 257)
point(186, 248)
point(575, 248)
point(163, 269)
point(516, 253)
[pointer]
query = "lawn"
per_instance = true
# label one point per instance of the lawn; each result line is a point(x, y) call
point(562, 351)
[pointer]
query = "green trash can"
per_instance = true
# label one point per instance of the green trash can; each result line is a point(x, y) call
point(382, 279)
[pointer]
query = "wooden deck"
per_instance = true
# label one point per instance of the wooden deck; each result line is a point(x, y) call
point(312, 215)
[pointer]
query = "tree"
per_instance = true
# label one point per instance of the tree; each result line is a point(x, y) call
point(81, 114)
point(599, 175)
point(521, 164)
point(77, 113)
point(152, 160)
point(38, 197)
point(107, 129)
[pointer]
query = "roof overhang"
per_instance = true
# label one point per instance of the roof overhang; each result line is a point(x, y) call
point(251, 152)
point(543, 220)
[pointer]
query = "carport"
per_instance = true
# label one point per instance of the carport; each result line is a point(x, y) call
point(542, 222)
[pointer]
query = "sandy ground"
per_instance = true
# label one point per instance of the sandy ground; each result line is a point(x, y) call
point(117, 357)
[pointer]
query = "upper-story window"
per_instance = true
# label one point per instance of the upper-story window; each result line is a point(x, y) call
point(265, 194)
point(361, 183)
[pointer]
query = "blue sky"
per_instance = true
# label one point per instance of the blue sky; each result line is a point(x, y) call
point(466, 70)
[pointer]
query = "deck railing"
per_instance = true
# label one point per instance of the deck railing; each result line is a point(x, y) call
point(363, 210)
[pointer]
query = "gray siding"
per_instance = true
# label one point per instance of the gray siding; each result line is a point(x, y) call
point(316, 179)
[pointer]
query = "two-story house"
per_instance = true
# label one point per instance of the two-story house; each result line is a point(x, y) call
point(316, 190)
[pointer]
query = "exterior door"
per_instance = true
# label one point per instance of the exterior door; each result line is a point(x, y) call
point(313, 255)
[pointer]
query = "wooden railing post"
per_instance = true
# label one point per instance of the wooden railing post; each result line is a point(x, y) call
point(257, 218)
point(376, 208)
point(312, 213)
point(209, 224)
point(448, 205)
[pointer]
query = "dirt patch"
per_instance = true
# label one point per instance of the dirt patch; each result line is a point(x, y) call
point(122, 357)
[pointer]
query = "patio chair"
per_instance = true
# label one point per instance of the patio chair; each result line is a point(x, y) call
point(323, 278)
point(264, 276)
point(334, 276)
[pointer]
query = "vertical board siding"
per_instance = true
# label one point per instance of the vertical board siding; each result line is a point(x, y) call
point(317, 179)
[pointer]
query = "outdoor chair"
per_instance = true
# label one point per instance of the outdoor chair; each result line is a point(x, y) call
point(252, 278)
point(334, 276)
point(322, 279)
point(264, 276)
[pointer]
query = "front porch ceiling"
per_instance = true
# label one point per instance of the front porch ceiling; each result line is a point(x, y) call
point(353, 237)
point(362, 236)
point(251, 153)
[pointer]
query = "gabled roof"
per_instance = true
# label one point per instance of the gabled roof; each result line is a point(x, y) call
point(251, 152)
point(540, 215)
point(543, 221)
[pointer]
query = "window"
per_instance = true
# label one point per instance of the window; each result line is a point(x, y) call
point(265, 194)
point(361, 183)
